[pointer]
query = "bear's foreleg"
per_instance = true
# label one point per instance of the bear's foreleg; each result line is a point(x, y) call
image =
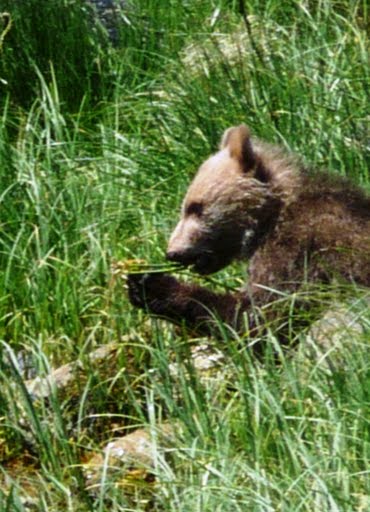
point(194, 306)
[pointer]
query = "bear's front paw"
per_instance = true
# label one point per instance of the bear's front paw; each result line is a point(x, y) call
point(151, 291)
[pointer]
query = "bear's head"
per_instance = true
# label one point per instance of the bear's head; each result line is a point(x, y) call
point(227, 209)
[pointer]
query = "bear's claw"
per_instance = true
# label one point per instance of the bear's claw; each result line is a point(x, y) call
point(146, 289)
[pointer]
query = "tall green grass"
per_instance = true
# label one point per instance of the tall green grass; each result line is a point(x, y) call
point(97, 145)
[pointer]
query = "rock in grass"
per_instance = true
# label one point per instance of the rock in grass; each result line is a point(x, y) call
point(109, 12)
point(66, 375)
point(129, 460)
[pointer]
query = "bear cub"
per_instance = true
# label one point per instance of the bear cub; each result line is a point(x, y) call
point(252, 201)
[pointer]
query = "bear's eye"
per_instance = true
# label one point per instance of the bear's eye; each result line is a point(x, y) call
point(194, 208)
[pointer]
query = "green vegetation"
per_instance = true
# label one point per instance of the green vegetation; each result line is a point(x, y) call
point(97, 144)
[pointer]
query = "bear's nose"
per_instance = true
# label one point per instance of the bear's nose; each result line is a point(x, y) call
point(183, 257)
point(174, 256)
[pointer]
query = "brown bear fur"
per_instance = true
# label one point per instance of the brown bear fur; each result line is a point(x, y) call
point(251, 201)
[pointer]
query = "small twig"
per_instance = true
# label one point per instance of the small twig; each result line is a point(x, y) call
point(243, 12)
point(142, 267)
point(8, 25)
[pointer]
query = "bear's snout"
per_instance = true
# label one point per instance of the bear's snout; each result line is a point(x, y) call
point(184, 257)
point(203, 262)
point(173, 255)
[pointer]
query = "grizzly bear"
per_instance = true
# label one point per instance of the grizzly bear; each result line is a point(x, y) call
point(252, 201)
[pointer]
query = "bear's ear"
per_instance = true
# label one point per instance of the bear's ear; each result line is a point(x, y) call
point(238, 141)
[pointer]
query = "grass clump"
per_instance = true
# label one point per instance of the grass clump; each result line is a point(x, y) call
point(97, 145)
point(60, 37)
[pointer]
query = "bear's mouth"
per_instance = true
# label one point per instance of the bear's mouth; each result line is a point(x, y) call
point(208, 264)
point(202, 263)
point(205, 260)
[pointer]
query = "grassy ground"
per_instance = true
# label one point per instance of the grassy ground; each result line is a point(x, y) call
point(97, 144)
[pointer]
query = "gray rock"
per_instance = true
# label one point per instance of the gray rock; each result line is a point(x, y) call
point(130, 458)
point(109, 13)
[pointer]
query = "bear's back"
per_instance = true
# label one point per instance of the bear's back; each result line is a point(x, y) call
point(323, 234)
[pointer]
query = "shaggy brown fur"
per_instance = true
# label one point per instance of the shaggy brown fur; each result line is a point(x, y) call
point(251, 201)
